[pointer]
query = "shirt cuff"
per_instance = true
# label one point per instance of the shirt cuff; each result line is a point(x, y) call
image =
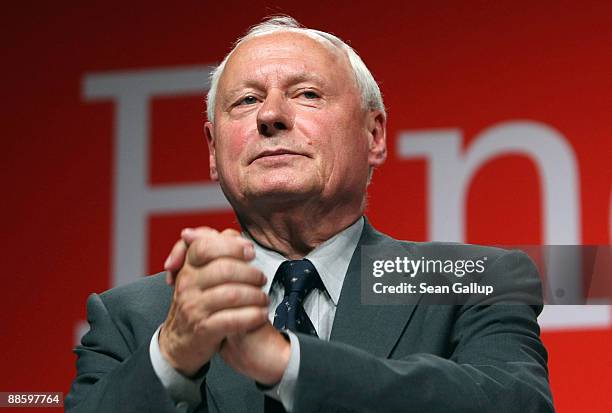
point(185, 392)
point(284, 391)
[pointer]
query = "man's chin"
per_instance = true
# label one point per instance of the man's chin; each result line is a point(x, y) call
point(279, 194)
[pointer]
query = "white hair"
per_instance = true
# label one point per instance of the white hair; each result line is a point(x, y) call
point(370, 92)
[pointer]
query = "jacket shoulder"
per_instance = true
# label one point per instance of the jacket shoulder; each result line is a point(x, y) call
point(376, 239)
point(148, 298)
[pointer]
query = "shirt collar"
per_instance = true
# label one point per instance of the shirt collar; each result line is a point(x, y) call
point(331, 259)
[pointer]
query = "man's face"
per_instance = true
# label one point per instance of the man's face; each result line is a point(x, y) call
point(289, 124)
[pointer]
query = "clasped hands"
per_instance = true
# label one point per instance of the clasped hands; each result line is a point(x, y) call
point(218, 306)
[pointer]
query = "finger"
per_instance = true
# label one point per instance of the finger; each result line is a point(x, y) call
point(209, 246)
point(220, 271)
point(176, 257)
point(235, 320)
point(228, 270)
point(175, 261)
point(231, 232)
point(227, 296)
point(191, 234)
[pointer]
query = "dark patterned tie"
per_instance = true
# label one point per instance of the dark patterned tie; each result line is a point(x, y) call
point(299, 278)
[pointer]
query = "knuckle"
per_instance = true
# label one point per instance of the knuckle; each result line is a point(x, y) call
point(185, 278)
point(182, 284)
point(232, 295)
point(252, 276)
point(201, 247)
point(194, 315)
point(253, 316)
point(201, 327)
point(184, 306)
point(258, 276)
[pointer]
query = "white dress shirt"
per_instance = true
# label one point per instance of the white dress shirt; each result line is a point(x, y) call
point(331, 259)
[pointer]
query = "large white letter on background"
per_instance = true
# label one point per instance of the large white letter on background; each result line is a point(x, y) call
point(450, 172)
point(134, 199)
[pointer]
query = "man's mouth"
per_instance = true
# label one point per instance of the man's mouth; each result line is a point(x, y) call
point(279, 153)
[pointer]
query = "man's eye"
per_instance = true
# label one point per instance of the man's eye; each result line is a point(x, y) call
point(249, 100)
point(309, 94)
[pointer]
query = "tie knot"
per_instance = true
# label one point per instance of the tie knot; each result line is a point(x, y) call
point(299, 276)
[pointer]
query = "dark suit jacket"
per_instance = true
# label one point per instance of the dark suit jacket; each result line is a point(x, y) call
point(404, 358)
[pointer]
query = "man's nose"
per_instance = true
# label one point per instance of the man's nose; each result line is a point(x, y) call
point(274, 115)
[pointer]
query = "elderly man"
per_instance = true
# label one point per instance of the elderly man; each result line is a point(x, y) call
point(272, 319)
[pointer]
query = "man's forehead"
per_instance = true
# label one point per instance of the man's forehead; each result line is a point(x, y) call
point(256, 52)
point(309, 42)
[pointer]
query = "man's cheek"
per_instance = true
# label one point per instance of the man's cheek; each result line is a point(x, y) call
point(231, 146)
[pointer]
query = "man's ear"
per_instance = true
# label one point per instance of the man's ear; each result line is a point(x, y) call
point(210, 139)
point(376, 124)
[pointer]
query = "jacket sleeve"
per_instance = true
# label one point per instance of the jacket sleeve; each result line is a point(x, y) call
point(498, 363)
point(112, 374)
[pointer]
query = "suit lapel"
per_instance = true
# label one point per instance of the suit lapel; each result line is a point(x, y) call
point(373, 328)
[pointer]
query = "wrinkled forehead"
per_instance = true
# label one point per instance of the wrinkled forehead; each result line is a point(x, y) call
point(253, 53)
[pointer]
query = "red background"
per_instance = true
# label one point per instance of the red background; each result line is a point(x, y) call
point(466, 65)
